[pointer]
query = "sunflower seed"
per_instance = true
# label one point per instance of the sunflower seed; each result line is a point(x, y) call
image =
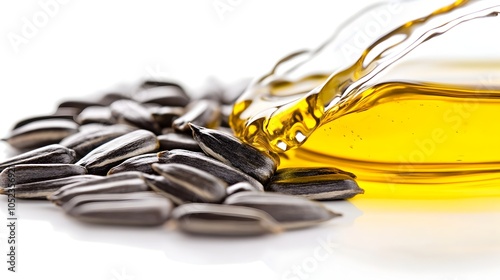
point(75, 106)
point(290, 211)
point(54, 153)
point(231, 151)
point(133, 113)
point(315, 183)
point(223, 220)
point(111, 97)
point(200, 112)
point(40, 133)
point(174, 140)
point(240, 187)
point(28, 173)
point(164, 116)
point(290, 173)
point(223, 171)
point(88, 139)
point(163, 95)
point(41, 189)
point(135, 212)
point(41, 118)
point(155, 83)
point(102, 158)
point(104, 197)
point(182, 184)
point(96, 114)
point(126, 182)
point(141, 163)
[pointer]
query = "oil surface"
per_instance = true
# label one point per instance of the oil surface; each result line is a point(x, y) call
point(412, 138)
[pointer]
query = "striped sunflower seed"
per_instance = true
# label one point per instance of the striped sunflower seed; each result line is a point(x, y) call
point(137, 212)
point(126, 182)
point(75, 106)
point(49, 154)
point(40, 133)
point(199, 112)
point(105, 197)
point(28, 173)
point(240, 187)
point(198, 160)
point(156, 83)
point(102, 158)
point(88, 139)
point(108, 98)
point(163, 95)
point(223, 220)
point(41, 118)
point(42, 189)
point(164, 116)
point(315, 183)
point(182, 183)
point(232, 151)
point(133, 113)
point(96, 114)
point(141, 163)
point(290, 211)
point(175, 140)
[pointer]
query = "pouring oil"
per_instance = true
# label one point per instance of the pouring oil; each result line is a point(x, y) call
point(411, 137)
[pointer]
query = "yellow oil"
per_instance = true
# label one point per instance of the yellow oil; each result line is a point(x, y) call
point(416, 138)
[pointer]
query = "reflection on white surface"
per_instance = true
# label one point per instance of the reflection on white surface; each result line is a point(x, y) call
point(383, 242)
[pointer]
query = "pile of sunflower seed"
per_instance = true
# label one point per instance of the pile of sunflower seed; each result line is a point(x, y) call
point(157, 156)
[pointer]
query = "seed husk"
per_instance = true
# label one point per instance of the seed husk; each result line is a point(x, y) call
point(240, 187)
point(171, 141)
point(136, 212)
point(75, 106)
point(164, 116)
point(163, 95)
point(111, 97)
point(102, 158)
point(126, 182)
point(232, 151)
point(199, 112)
point(132, 113)
point(41, 118)
point(293, 172)
point(41, 133)
point(103, 197)
point(141, 163)
point(315, 183)
point(54, 153)
point(28, 173)
point(291, 212)
point(96, 114)
point(183, 183)
point(157, 83)
point(223, 220)
point(42, 189)
point(88, 139)
point(198, 160)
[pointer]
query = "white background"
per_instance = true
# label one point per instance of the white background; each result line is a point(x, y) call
point(89, 46)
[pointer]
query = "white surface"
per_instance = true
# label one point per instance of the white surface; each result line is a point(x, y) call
point(88, 46)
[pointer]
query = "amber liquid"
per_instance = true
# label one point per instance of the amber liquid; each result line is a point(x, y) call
point(412, 138)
